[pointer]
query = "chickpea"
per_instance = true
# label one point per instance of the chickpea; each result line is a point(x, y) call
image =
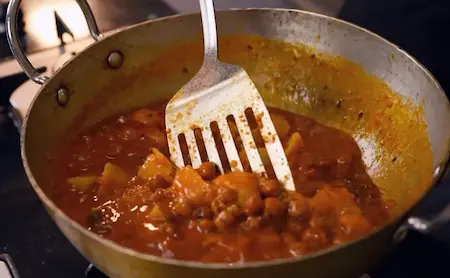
point(273, 207)
point(252, 223)
point(284, 198)
point(208, 171)
point(224, 220)
point(235, 210)
point(226, 195)
point(218, 206)
point(314, 238)
point(227, 217)
point(205, 226)
point(158, 138)
point(298, 207)
point(295, 227)
point(181, 207)
point(253, 205)
point(270, 188)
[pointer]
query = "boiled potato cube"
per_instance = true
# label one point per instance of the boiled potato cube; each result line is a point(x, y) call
point(189, 183)
point(156, 213)
point(295, 144)
point(112, 177)
point(281, 124)
point(246, 185)
point(113, 174)
point(82, 183)
point(157, 164)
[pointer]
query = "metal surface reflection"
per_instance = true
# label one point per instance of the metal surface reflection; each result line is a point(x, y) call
point(41, 22)
point(110, 14)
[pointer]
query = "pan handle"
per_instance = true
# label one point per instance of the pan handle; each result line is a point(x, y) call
point(422, 225)
point(425, 226)
point(14, 44)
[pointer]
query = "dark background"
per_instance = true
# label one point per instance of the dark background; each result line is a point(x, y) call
point(40, 250)
point(421, 27)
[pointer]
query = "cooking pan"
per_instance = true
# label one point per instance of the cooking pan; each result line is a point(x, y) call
point(404, 134)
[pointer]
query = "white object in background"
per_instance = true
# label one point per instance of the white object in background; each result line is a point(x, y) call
point(44, 58)
point(52, 59)
point(21, 99)
point(4, 270)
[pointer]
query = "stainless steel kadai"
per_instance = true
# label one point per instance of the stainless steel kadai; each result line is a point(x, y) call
point(125, 66)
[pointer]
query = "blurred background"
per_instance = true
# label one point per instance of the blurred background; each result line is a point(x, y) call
point(52, 31)
point(40, 30)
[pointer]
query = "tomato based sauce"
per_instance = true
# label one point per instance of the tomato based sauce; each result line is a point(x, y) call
point(116, 179)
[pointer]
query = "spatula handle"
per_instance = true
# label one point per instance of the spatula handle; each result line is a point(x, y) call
point(209, 30)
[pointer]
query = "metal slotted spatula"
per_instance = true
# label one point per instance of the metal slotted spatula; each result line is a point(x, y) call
point(216, 92)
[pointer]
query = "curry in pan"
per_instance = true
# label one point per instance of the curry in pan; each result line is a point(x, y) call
point(115, 178)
